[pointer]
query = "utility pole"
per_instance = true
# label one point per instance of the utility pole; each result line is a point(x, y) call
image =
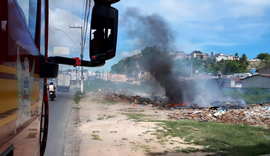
point(80, 27)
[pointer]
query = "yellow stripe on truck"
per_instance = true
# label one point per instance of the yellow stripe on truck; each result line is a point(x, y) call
point(8, 95)
point(14, 116)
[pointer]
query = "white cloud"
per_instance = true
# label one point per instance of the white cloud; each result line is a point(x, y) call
point(126, 54)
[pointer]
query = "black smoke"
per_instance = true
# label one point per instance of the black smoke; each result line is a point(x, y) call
point(155, 34)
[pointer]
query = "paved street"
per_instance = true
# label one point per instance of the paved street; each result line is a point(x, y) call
point(59, 115)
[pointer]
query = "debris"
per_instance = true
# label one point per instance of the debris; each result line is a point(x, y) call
point(233, 112)
point(220, 112)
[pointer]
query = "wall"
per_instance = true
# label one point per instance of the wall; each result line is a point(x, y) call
point(118, 78)
point(265, 70)
point(256, 81)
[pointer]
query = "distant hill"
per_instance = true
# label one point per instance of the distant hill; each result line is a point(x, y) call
point(131, 65)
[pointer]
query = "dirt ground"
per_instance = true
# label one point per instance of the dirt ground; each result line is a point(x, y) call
point(101, 129)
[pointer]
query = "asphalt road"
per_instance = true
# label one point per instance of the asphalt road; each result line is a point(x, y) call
point(59, 115)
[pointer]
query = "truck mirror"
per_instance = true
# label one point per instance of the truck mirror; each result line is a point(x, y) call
point(103, 34)
point(48, 69)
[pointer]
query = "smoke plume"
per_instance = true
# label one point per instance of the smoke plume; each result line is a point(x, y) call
point(155, 34)
point(153, 31)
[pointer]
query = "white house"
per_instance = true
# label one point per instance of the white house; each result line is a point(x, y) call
point(220, 57)
point(241, 75)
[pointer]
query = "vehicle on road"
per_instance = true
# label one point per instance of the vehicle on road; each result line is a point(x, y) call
point(63, 82)
point(52, 95)
point(25, 67)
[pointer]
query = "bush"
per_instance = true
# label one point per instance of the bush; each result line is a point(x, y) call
point(254, 91)
point(78, 96)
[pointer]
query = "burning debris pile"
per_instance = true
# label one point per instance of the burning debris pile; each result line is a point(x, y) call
point(233, 112)
point(251, 115)
point(155, 101)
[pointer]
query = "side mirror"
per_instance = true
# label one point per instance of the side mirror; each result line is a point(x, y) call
point(104, 27)
point(48, 69)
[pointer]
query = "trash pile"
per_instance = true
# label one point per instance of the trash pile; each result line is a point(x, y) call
point(250, 115)
point(155, 101)
point(234, 112)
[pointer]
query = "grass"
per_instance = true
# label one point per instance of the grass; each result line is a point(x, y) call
point(223, 139)
point(94, 85)
point(250, 95)
point(136, 146)
point(105, 117)
point(109, 102)
point(95, 137)
point(78, 96)
point(134, 116)
point(113, 131)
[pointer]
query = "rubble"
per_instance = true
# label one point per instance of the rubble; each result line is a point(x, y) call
point(233, 112)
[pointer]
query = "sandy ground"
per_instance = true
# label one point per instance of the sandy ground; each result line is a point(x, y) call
point(97, 128)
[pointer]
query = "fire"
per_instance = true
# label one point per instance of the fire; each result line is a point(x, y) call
point(175, 104)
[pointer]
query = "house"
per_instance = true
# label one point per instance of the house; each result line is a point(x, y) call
point(235, 58)
point(220, 57)
point(199, 55)
point(144, 75)
point(241, 75)
point(229, 82)
point(106, 76)
point(259, 80)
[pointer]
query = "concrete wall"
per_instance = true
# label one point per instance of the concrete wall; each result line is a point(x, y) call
point(118, 78)
point(256, 81)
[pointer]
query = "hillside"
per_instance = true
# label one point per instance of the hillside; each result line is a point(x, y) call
point(135, 63)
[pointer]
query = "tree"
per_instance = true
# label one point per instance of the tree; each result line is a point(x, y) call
point(212, 55)
point(236, 54)
point(263, 56)
point(243, 58)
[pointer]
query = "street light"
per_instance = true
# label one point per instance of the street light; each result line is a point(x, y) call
point(67, 36)
point(76, 51)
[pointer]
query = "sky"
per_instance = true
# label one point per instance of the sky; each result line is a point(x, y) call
point(223, 26)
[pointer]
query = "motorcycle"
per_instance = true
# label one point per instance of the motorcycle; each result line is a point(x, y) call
point(52, 95)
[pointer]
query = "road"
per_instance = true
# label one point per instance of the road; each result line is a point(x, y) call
point(59, 115)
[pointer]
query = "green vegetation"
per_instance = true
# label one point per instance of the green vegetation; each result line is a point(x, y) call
point(182, 67)
point(78, 96)
point(109, 102)
point(137, 117)
point(104, 116)
point(222, 139)
point(95, 137)
point(136, 146)
point(251, 95)
point(94, 85)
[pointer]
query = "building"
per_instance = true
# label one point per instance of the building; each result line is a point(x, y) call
point(232, 82)
point(220, 57)
point(259, 80)
point(235, 58)
point(144, 75)
point(241, 75)
point(255, 60)
point(118, 78)
point(199, 55)
point(265, 70)
point(106, 76)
